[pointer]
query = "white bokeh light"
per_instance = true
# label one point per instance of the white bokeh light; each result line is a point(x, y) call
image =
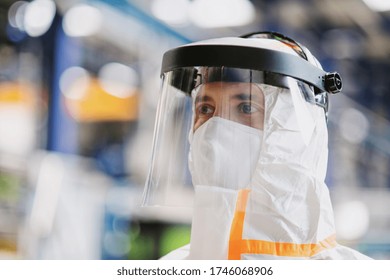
point(352, 220)
point(116, 243)
point(74, 82)
point(221, 13)
point(16, 130)
point(38, 17)
point(354, 126)
point(16, 14)
point(82, 20)
point(174, 12)
point(118, 80)
point(378, 5)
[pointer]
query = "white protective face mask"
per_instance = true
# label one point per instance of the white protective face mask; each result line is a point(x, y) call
point(224, 153)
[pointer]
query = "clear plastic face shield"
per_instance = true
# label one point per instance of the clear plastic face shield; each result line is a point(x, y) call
point(212, 122)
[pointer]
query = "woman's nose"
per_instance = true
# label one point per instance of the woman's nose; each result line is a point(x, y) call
point(222, 112)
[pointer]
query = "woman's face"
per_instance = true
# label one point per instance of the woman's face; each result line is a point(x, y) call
point(239, 102)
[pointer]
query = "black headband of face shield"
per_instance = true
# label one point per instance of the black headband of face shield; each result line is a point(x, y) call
point(225, 74)
point(246, 57)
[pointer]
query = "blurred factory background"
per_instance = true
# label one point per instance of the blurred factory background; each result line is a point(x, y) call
point(78, 92)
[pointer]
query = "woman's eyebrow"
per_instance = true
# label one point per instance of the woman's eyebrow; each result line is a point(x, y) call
point(247, 96)
point(203, 98)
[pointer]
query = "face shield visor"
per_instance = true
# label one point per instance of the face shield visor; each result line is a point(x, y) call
point(215, 113)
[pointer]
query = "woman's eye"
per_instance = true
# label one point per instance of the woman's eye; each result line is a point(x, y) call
point(247, 108)
point(205, 109)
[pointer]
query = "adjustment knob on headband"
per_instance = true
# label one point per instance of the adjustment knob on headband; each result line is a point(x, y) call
point(332, 82)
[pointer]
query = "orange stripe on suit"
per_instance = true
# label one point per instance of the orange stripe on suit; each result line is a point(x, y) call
point(238, 245)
